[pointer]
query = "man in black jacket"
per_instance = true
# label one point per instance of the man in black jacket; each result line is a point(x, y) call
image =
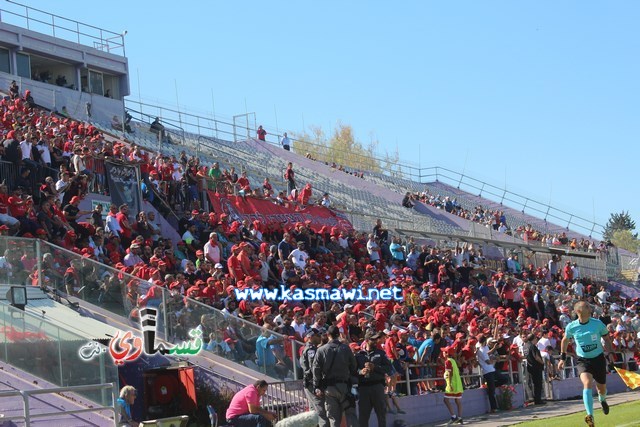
point(535, 366)
point(11, 145)
point(314, 338)
point(373, 365)
point(334, 367)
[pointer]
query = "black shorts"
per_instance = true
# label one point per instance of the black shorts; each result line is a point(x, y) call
point(596, 366)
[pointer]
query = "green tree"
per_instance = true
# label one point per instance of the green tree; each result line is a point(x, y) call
point(619, 221)
point(312, 143)
point(346, 151)
point(343, 149)
point(626, 240)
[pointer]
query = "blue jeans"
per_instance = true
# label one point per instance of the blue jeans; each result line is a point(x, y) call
point(193, 192)
point(250, 420)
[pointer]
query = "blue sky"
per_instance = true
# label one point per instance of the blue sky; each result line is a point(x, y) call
point(544, 95)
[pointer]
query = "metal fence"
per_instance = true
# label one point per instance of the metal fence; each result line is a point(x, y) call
point(50, 417)
point(52, 353)
point(285, 398)
point(109, 288)
point(60, 27)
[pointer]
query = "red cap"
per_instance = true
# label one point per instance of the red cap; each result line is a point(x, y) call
point(75, 199)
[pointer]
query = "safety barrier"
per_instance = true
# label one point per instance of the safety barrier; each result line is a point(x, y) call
point(285, 398)
point(27, 416)
point(473, 380)
point(61, 27)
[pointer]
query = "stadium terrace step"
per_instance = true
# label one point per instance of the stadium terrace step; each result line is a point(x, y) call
point(514, 217)
point(14, 379)
point(630, 275)
point(364, 200)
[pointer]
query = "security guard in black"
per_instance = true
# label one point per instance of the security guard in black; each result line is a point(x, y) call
point(373, 366)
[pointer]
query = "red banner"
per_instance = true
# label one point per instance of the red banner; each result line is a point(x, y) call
point(268, 212)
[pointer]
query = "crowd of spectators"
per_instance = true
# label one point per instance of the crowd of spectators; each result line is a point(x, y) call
point(450, 298)
point(497, 220)
point(49, 159)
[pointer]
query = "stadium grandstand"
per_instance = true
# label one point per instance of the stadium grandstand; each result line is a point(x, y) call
point(107, 212)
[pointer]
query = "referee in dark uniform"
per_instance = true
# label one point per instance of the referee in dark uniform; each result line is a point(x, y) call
point(588, 334)
point(373, 366)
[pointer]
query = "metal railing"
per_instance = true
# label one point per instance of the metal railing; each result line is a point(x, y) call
point(58, 26)
point(27, 416)
point(109, 288)
point(473, 379)
point(285, 398)
point(510, 198)
point(238, 129)
point(416, 222)
point(146, 120)
point(44, 96)
point(52, 352)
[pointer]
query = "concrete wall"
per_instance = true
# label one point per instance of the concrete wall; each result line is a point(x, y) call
point(55, 97)
point(430, 408)
point(572, 387)
point(28, 41)
point(12, 379)
point(77, 56)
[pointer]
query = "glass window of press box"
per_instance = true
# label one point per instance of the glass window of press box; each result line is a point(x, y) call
point(5, 65)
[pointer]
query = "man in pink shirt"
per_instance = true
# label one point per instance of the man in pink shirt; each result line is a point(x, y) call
point(245, 410)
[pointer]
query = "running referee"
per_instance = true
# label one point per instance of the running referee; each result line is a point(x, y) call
point(588, 334)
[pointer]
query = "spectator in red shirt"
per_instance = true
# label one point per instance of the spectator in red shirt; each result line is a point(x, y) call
point(19, 204)
point(527, 298)
point(289, 176)
point(125, 228)
point(234, 266)
point(5, 219)
point(243, 185)
point(306, 194)
point(262, 134)
point(567, 272)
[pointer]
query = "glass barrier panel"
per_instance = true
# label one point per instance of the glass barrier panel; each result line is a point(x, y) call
point(33, 345)
point(123, 294)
